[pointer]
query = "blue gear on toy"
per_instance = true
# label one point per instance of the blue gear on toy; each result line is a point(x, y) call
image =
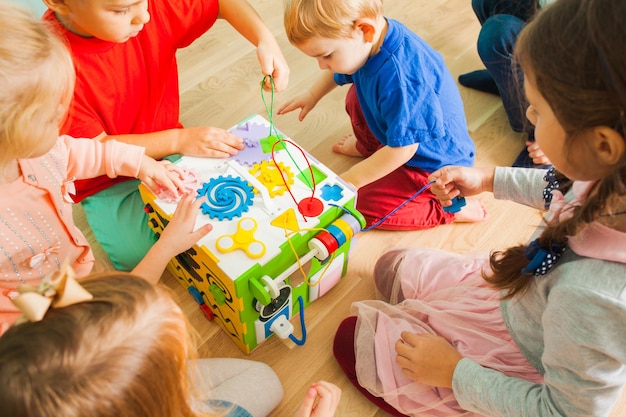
point(226, 197)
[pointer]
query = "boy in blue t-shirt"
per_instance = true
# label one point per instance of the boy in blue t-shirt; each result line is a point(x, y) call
point(404, 105)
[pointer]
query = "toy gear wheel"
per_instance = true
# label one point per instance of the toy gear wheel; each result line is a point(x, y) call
point(226, 197)
point(269, 174)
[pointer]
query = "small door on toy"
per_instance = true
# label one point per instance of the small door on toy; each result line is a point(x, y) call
point(326, 278)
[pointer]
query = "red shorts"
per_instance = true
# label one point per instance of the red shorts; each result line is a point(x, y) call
point(379, 198)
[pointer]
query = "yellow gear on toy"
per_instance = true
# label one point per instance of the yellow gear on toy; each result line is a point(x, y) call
point(276, 177)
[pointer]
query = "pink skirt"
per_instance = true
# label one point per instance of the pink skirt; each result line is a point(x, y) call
point(444, 294)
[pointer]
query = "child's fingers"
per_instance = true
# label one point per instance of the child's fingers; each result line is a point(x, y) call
point(152, 186)
point(188, 206)
point(444, 176)
point(290, 106)
point(201, 232)
point(303, 113)
point(166, 182)
point(174, 175)
point(309, 399)
point(328, 390)
point(306, 407)
point(280, 79)
point(329, 396)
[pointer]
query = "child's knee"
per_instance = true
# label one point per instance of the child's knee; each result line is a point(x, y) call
point(385, 275)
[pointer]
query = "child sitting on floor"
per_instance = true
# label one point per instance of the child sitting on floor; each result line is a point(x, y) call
point(127, 89)
point(535, 329)
point(119, 346)
point(405, 108)
point(37, 167)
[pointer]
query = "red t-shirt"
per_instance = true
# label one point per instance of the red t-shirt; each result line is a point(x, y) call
point(132, 87)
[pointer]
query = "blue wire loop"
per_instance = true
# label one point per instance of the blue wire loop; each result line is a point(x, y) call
point(301, 341)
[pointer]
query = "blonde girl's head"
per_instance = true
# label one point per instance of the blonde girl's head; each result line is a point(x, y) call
point(37, 79)
point(573, 51)
point(306, 19)
point(122, 354)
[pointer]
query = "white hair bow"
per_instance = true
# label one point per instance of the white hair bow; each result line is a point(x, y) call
point(59, 289)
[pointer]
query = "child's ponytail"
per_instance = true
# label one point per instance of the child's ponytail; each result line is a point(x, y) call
point(573, 50)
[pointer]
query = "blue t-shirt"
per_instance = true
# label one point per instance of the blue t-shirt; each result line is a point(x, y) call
point(408, 96)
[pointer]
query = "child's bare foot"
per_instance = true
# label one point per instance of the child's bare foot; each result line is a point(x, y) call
point(473, 211)
point(347, 146)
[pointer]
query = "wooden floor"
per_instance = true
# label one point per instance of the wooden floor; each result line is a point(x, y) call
point(220, 86)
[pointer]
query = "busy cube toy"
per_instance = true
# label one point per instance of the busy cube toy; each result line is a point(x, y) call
point(282, 228)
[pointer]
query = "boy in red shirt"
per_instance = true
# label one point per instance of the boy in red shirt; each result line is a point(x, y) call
point(127, 89)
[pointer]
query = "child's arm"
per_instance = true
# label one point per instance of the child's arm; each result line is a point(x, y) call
point(177, 237)
point(453, 181)
point(201, 141)
point(90, 158)
point(327, 396)
point(382, 162)
point(305, 102)
point(157, 175)
point(245, 20)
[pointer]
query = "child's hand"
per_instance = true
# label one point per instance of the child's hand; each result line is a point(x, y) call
point(427, 359)
point(537, 155)
point(208, 141)
point(453, 181)
point(157, 175)
point(179, 234)
point(327, 396)
point(305, 102)
point(273, 63)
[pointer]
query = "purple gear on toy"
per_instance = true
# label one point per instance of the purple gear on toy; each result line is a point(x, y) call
point(248, 135)
point(226, 197)
point(251, 156)
point(251, 133)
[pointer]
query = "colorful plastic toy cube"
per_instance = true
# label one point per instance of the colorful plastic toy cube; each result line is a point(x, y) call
point(278, 235)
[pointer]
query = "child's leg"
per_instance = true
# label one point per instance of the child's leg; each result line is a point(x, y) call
point(409, 273)
point(376, 200)
point(523, 9)
point(495, 45)
point(116, 216)
point(343, 349)
point(496, 40)
point(446, 295)
point(385, 273)
point(363, 143)
point(251, 385)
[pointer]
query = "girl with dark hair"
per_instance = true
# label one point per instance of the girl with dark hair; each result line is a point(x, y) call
point(535, 329)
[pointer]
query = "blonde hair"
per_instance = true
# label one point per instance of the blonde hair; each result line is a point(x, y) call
point(122, 354)
point(37, 78)
point(305, 19)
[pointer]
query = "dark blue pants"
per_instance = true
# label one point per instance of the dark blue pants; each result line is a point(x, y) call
point(502, 21)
